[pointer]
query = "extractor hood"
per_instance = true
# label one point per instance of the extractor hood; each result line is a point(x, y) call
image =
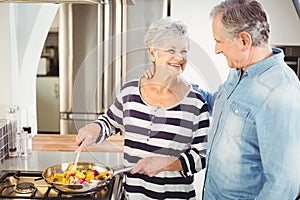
point(123, 2)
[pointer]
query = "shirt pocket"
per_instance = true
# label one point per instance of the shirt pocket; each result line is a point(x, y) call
point(237, 119)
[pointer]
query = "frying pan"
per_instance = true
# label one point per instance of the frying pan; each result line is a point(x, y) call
point(79, 188)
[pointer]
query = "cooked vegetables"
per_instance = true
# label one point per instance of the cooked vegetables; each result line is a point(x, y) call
point(80, 176)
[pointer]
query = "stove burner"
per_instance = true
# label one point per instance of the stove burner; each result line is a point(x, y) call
point(31, 185)
point(25, 188)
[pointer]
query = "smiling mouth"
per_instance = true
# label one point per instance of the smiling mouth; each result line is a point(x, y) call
point(176, 65)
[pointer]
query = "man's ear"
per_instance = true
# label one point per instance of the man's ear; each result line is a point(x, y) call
point(245, 39)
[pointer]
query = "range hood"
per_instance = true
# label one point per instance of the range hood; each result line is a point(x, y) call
point(123, 2)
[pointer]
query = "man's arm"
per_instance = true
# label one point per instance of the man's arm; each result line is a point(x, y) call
point(208, 97)
point(279, 143)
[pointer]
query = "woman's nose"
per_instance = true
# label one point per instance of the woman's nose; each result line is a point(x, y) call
point(178, 56)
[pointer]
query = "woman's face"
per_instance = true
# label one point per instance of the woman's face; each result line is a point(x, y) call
point(172, 54)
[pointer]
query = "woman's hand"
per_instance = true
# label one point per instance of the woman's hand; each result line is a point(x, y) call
point(87, 136)
point(151, 166)
point(149, 73)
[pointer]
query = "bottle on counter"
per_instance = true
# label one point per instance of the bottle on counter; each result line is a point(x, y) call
point(27, 129)
point(18, 144)
point(13, 122)
point(23, 144)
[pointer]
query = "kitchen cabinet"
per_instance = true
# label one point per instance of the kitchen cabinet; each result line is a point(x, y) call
point(47, 92)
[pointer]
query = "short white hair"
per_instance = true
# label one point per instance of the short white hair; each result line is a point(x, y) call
point(164, 29)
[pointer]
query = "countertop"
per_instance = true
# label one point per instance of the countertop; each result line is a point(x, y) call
point(66, 143)
point(52, 149)
point(40, 160)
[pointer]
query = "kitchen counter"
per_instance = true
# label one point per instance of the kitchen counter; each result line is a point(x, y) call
point(52, 149)
point(66, 143)
point(40, 160)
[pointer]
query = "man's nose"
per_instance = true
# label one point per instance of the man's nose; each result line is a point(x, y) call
point(217, 49)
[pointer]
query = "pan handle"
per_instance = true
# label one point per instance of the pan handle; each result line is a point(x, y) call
point(123, 169)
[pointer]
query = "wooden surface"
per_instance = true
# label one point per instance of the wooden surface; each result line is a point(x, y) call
point(57, 142)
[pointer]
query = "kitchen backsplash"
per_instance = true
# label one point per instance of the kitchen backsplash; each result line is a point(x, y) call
point(3, 140)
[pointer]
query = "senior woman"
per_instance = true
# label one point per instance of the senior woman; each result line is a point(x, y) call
point(164, 119)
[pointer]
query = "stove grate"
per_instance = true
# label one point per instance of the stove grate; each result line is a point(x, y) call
point(31, 185)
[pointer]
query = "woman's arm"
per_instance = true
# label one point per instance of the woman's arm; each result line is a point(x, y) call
point(87, 136)
point(151, 166)
point(107, 124)
point(193, 160)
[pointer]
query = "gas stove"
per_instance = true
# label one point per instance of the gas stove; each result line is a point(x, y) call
point(16, 184)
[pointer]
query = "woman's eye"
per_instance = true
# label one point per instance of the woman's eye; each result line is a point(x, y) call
point(184, 52)
point(172, 51)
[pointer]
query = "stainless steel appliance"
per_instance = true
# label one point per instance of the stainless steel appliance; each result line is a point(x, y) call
point(16, 184)
point(100, 47)
point(292, 57)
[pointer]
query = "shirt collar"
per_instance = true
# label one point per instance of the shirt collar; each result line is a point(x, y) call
point(265, 64)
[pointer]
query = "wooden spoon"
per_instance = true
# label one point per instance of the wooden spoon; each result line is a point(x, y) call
point(77, 158)
point(76, 161)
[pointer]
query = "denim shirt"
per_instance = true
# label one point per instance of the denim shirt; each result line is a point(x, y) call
point(254, 140)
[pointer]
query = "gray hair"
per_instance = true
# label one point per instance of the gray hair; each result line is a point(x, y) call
point(162, 30)
point(244, 15)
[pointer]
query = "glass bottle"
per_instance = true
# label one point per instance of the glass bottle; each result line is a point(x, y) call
point(12, 130)
point(24, 144)
point(27, 129)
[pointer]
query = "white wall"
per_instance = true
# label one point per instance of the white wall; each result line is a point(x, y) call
point(25, 28)
point(5, 49)
point(285, 23)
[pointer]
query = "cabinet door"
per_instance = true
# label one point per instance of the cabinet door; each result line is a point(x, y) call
point(48, 104)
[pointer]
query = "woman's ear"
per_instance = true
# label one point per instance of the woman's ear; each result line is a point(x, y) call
point(152, 54)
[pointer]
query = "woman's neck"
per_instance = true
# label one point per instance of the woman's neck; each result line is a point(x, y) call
point(163, 90)
point(164, 80)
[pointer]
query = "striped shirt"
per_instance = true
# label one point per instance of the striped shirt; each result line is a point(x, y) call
point(179, 131)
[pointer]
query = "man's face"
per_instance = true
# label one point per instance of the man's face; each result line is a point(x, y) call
point(231, 49)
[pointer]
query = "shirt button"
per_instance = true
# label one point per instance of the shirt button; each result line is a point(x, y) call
point(236, 111)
